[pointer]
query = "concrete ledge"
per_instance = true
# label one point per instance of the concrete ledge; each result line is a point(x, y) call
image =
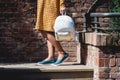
point(99, 39)
point(45, 72)
point(32, 67)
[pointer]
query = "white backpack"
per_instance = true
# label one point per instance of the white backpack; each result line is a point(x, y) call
point(64, 28)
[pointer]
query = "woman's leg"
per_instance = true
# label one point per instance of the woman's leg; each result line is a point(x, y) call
point(51, 50)
point(55, 43)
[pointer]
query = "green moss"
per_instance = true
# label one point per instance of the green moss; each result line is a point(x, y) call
point(115, 7)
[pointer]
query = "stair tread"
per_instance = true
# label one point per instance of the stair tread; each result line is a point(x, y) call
point(32, 67)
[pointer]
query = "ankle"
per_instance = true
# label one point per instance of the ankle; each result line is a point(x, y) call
point(60, 55)
point(49, 58)
point(61, 52)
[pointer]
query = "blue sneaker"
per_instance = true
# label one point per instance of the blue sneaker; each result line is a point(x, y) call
point(46, 61)
point(62, 59)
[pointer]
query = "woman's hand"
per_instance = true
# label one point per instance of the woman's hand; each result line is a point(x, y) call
point(62, 10)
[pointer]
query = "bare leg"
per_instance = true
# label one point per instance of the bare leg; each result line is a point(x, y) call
point(52, 42)
point(51, 51)
point(50, 36)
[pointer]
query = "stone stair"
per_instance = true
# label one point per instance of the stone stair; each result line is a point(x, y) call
point(30, 71)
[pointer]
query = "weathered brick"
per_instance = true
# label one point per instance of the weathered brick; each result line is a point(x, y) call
point(104, 69)
point(114, 69)
point(115, 75)
point(103, 75)
point(103, 62)
point(117, 55)
point(112, 62)
point(118, 62)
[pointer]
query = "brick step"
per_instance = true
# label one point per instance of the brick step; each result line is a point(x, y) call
point(45, 72)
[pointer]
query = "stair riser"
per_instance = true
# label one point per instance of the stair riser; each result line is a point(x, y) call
point(88, 75)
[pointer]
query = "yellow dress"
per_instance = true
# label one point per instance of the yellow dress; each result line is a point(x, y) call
point(47, 11)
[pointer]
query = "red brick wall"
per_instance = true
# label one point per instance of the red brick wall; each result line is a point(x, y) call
point(18, 41)
point(103, 58)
